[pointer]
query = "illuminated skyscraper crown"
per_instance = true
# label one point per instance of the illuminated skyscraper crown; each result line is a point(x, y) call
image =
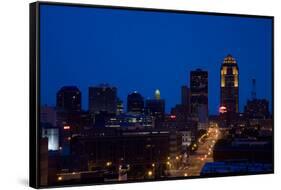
point(229, 60)
point(157, 94)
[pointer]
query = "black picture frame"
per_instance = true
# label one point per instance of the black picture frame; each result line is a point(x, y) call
point(34, 83)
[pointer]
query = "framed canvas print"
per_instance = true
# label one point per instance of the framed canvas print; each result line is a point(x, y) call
point(121, 94)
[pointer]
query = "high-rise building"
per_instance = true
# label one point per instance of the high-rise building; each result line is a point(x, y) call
point(102, 98)
point(203, 117)
point(229, 85)
point(182, 111)
point(68, 108)
point(185, 93)
point(135, 103)
point(199, 97)
point(69, 99)
point(157, 95)
point(257, 109)
point(156, 107)
point(198, 91)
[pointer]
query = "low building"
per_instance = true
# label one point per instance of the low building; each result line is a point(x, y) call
point(131, 121)
point(52, 134)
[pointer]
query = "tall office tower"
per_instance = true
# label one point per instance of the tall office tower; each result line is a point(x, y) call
point(182, 110)
point(69, 99)
point(68, 114)
point(135, 103)
point(198, 92)
point(156, 107)
point(256, 108)
point(102, 99)
point(254, 93)
point(185, 93)
point(229, 85)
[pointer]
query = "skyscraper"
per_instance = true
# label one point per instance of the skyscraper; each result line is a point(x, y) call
point(257, 109)
point(182, 111)
point(157, 94)
point(69, 99)
point(199, 97)
point(185, 91)
point(198, 91)
point(102, 98)
point(135, 103)
point(68, 110)
point(156, 107)
point(229, 85)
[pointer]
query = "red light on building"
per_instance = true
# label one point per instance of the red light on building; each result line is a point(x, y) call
point(173, 117)
point(222, 109)
point(66, 127)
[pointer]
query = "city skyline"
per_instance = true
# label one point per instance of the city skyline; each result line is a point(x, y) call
point(124, 101)
point(162, 56)
point(134, 95)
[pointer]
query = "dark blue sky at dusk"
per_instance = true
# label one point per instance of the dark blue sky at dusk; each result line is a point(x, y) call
point(144, 51)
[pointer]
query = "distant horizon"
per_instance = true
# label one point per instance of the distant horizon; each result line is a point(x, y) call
point(144, 51)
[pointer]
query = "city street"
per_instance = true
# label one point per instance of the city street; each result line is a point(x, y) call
point(202, 155)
